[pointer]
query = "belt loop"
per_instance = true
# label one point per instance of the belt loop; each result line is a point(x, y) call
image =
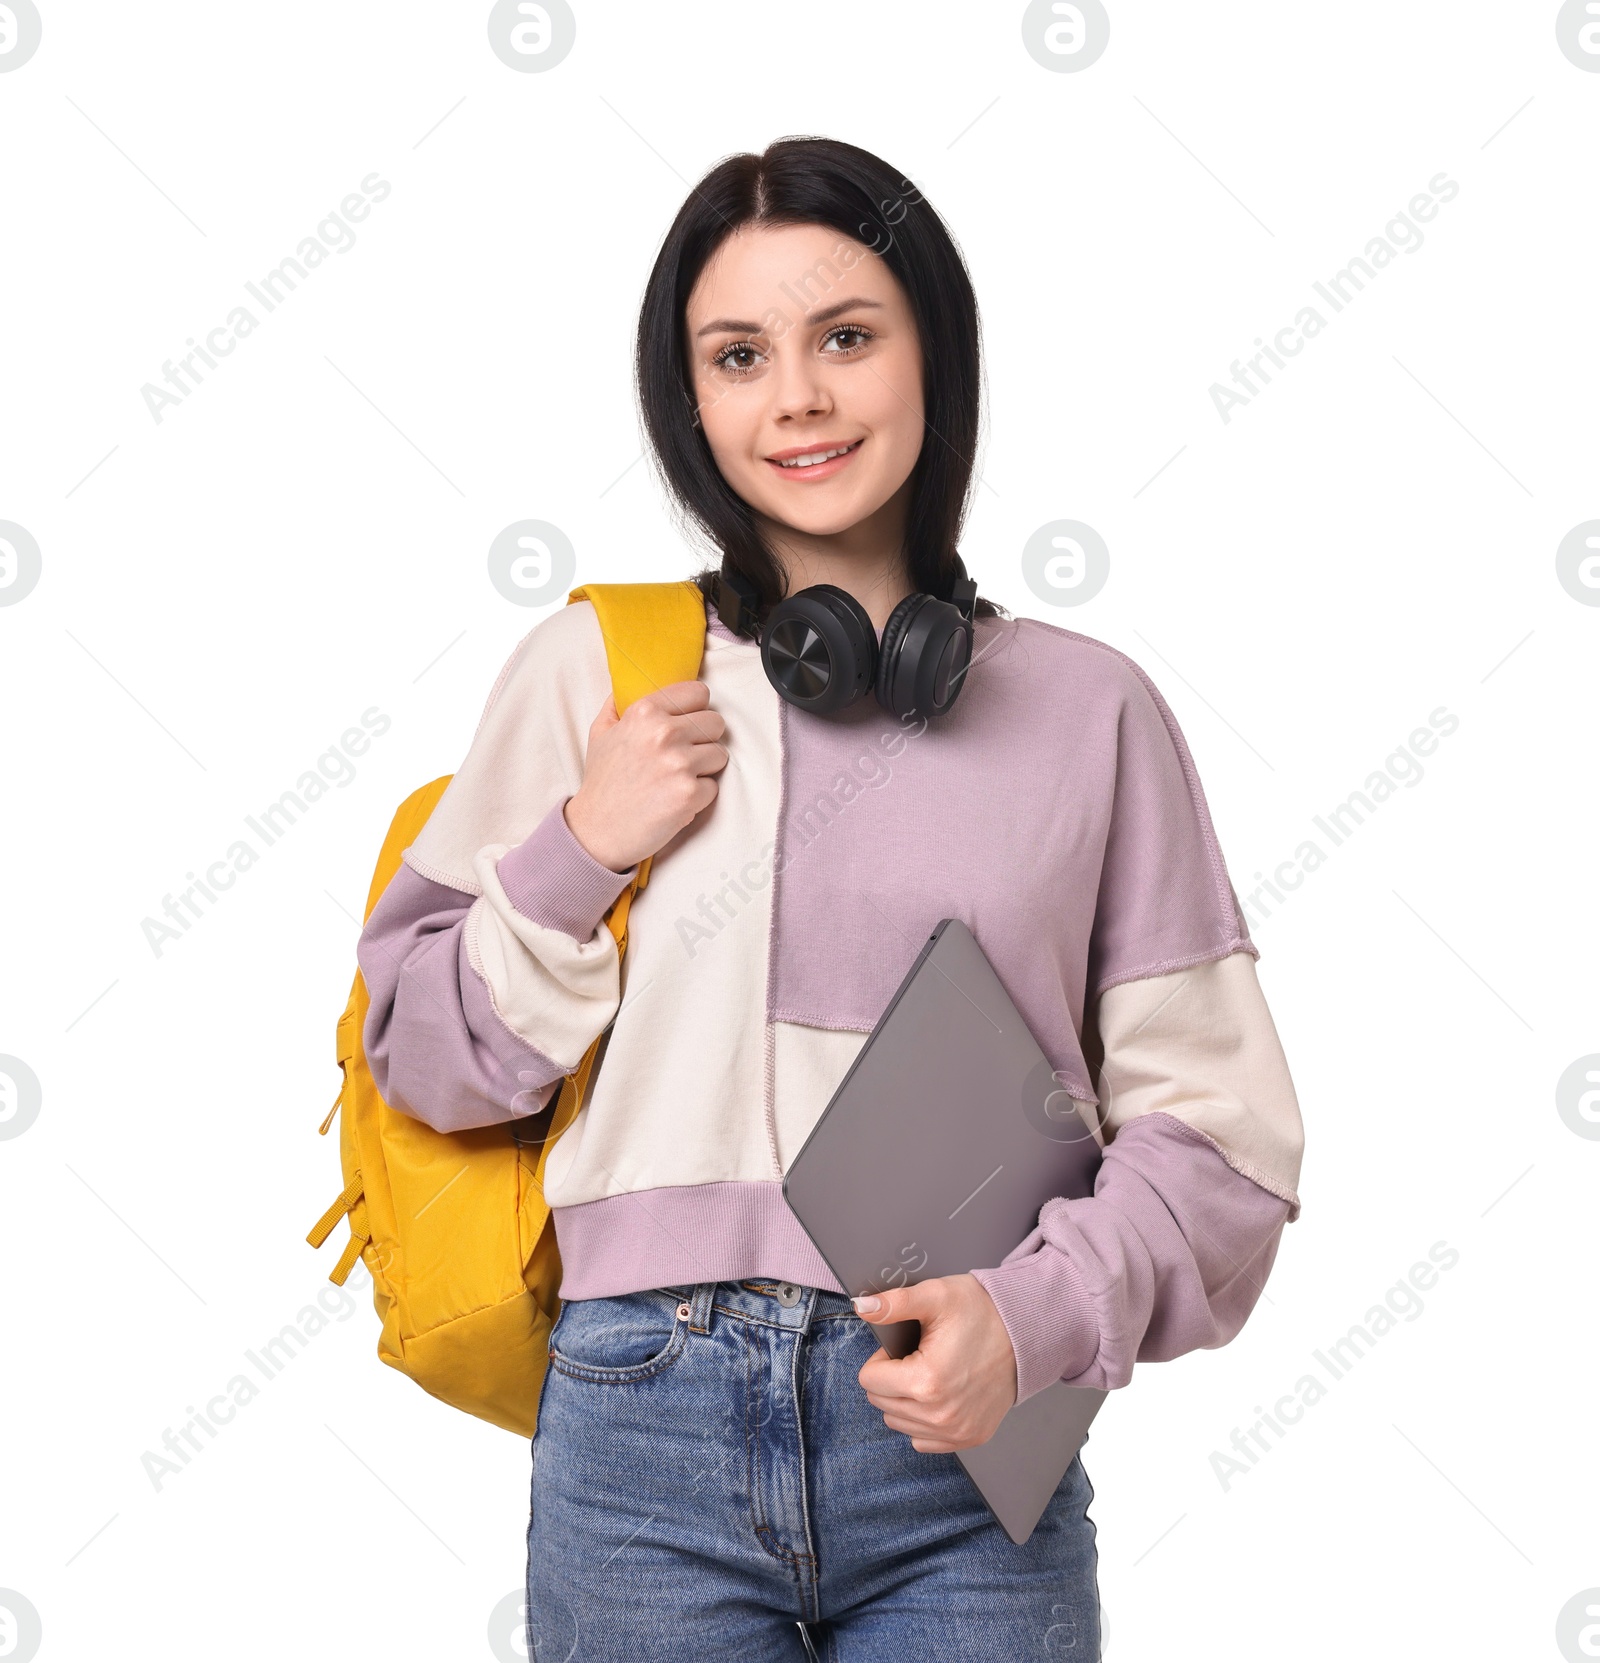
point(807, 1306)
point(700, 1307)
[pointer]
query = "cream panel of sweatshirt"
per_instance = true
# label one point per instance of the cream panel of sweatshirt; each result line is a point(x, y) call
point(1200, 1044)
point(808, 1064)
point(681, 1092)
point(541, 981)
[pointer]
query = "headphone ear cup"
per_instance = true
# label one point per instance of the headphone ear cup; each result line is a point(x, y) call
point(819, 649)
point(923, 657)
point(889, 649)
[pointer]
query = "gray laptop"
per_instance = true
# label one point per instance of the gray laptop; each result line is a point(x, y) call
point(953, 1098)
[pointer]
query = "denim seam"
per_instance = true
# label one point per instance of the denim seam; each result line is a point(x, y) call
point(808, 1582)
point(629, 1373)
point(803, 1565)
point(785, 1556)
point(767, 1322)
point(763, 1530)
point(751, 1434)
point(763, 1322)
point(622, 1376)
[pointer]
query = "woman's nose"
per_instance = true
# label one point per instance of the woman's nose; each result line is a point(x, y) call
point(799, 389)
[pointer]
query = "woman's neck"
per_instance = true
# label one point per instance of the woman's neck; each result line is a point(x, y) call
point(867, 560)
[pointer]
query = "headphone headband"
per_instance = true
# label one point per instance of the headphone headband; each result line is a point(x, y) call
point(734, 597)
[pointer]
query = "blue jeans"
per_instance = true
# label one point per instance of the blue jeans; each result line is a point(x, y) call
point(708, 1476)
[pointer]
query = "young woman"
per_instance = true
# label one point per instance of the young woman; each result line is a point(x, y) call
point(724, 1451)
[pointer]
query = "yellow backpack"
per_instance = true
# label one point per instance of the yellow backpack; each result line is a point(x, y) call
point(454, 1226)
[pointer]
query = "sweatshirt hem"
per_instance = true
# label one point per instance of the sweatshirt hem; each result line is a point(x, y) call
point(677, 1234)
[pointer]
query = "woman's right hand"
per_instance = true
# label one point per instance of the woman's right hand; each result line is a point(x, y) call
point(647, 773)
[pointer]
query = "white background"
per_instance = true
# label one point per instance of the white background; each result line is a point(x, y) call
point(225, 591)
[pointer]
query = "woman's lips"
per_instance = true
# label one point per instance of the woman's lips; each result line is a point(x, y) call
point(817, 470)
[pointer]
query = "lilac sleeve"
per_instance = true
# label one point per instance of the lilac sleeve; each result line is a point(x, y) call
point(1164, 899)
point(438, 1048)
point(1169, 1254)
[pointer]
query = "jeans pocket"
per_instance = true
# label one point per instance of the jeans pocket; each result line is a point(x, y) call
point(625, 1337)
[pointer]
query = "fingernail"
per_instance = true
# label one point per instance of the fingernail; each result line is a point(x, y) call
point(866, 1302)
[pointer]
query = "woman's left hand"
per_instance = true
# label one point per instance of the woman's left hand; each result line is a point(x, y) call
point(954, 1390)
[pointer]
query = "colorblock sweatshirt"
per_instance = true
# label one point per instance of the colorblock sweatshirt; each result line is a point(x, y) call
point(1055, 810)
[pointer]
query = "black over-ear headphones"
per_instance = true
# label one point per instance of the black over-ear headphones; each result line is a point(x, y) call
point(821, 652)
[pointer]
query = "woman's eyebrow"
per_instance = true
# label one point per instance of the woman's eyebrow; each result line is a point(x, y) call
point(736, 326)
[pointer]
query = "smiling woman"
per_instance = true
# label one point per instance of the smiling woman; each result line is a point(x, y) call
point(810, 377)
point(723, 1446)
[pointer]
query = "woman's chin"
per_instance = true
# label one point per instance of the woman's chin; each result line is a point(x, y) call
point(818, 519)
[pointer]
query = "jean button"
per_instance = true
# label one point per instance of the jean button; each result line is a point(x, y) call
point(788, 1293)
point(683, 1311)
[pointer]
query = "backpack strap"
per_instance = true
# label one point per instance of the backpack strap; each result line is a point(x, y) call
point(655, 634)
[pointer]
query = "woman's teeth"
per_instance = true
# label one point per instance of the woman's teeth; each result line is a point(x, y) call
point(817, 456)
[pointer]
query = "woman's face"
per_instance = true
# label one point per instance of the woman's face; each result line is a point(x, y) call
point(801, 342)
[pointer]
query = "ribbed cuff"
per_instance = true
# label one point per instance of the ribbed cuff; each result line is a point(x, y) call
point(551, 879)
point(1048, 1314)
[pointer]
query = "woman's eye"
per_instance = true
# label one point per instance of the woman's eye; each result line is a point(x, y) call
point(849, 338)
point(740, 358)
